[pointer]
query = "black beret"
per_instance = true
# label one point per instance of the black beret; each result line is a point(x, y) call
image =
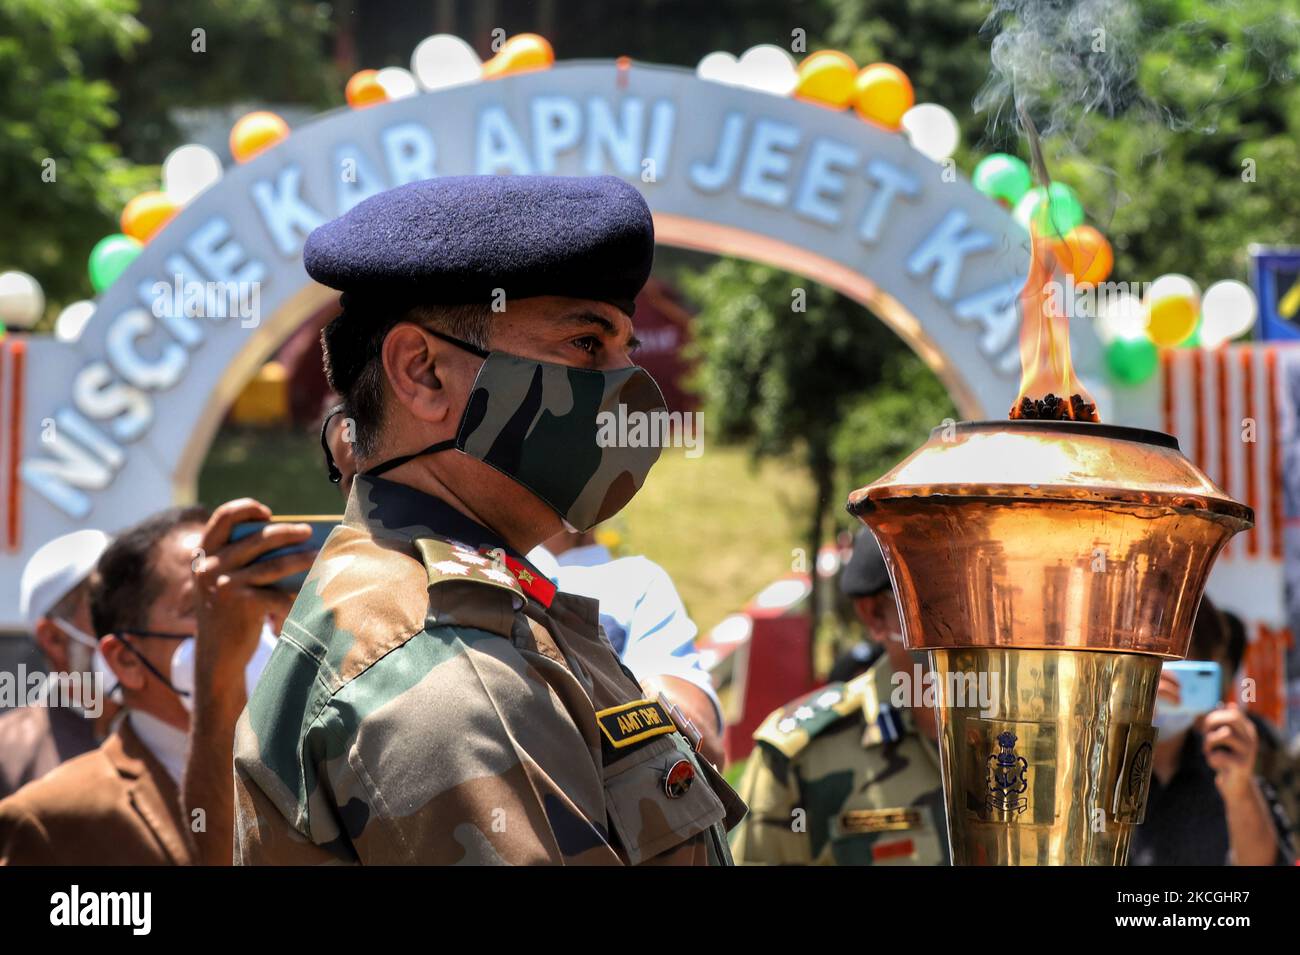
point(865, 575)
point(456, 240)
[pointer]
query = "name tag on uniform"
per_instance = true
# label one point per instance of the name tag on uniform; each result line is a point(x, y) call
point(880, 820)
point(632, 723)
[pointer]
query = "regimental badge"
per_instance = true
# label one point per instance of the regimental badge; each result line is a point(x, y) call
point(1007, 777)
point(678, 779)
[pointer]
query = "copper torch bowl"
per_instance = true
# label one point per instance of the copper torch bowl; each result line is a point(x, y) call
point(1061, 561)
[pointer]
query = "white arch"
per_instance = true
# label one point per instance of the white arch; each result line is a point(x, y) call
point(118, 423)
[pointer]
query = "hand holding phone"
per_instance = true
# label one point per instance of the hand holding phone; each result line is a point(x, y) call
point(1188, 689)
point(285, 550)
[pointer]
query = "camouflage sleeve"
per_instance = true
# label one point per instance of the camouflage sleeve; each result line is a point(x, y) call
point(769, 835)
point(451, 748)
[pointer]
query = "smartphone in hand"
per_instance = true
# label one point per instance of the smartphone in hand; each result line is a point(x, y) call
point(1200, 687)
point(321, 525)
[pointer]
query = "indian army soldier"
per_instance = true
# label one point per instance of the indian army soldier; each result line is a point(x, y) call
point(432, 698)
point(842, 776)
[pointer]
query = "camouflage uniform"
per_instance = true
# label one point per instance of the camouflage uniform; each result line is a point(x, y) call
point(867, 783)
point(424, 706)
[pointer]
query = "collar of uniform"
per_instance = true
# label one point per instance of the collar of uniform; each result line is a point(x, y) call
point(393, 510)
point(876, 688)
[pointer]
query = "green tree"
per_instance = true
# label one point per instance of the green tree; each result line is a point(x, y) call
point(786, 365)
point(213, 53)
point(65, 182)
point(93, 87)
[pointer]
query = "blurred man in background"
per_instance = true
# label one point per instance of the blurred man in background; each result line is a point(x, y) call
point(161, 582)
point(841, 776)
point(53, 598)
point(119, 804)
point(1207, 805)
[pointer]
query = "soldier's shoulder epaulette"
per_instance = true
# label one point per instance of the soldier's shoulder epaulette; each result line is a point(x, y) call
point(792, 727)
point(446, 561)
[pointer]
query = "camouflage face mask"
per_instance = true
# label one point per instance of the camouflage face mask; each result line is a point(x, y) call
point(581, 440)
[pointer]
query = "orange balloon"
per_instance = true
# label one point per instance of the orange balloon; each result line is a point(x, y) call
point(519, 54)
point(363, 89)
point(882, 93)
point(146, 214)
point(256, 133)
point(1085, 254)
point(826, 78)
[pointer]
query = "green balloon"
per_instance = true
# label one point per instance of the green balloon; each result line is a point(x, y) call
point(1053, 218)
point(1132, 360)
point(110, 258)
point(1002, 176)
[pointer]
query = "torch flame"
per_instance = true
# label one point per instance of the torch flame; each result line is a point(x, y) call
point(1049, 387)
point(1048, 384)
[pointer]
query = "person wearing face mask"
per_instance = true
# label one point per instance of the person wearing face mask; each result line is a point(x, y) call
point(119, 804)
point(432, 698)
point(1208, 804)
point(640, 609)
point(180, 613)
point(842, 776)
point(53, 598)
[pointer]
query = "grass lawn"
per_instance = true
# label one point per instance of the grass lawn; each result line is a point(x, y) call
point(721, 528)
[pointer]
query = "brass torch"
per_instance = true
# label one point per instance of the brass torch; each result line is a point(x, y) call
point(1060, 563)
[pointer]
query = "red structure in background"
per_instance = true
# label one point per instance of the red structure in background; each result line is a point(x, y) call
point(662, 324)
point(664, 327)
point(762, 657)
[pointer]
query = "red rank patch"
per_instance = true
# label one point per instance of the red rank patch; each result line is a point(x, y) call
point(892, 850)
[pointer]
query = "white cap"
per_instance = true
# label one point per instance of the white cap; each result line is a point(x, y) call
point(55, 569)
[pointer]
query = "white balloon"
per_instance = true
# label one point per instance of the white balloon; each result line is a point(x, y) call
point(22, 303)
point(68, 326)
point(720, 67)
point(768, 69)
point(932, 130)
point(397, 82)
point(444, 60)
point(1228, 311)
point(188, 170)
point(1119, 315)
point(1173, 285)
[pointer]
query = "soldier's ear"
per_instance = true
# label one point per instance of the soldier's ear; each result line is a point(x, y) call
point(415, 366)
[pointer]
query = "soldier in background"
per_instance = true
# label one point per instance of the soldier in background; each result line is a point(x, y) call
point(432, 698)
point(841, 776)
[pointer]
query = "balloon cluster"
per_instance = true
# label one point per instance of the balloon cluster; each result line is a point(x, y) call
point(1171, 313)
point(444, 60)
point(438, 62)
point(880, 93)
point(187, 171)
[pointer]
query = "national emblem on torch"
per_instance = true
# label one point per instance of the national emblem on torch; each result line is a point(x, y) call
point(1008, 777)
